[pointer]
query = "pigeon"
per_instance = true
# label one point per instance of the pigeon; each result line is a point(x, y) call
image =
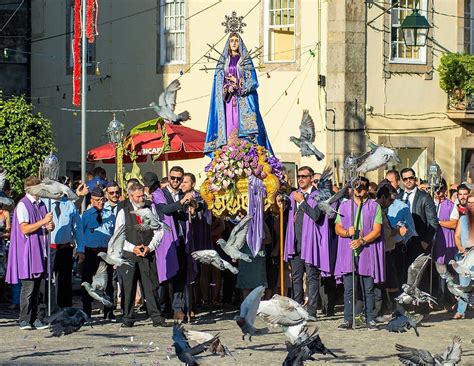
point(296, 333)
point(400, 323)
point(411, 293)
point(326, 198)
point(6, 201)
point(304, 350)
point(463, 266)
point(3, 178)
point(281, 310)
point(413, 356)
point(236, 241)
point(67, 321)
point(167, 104)
point(213, 258)
point(115, 249)
point(51, 189)
point(307, 137)
point(96, 290)
point(248, 312)
point(150, 221)
point(378, 157)
point(216, 347)
point(456, 289)
point(183, 350)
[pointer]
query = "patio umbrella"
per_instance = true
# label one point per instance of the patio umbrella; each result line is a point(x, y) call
point(184, 143)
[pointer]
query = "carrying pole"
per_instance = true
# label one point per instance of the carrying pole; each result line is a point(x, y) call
point(282, 267)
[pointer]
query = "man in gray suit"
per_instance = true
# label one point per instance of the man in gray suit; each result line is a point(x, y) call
point(424, 214)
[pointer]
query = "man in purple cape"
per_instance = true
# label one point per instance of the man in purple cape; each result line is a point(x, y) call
point(171, 254)
point(306, 243)
point(364, 237)
point(26, 259)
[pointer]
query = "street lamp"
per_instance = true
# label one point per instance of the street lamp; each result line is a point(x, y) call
point(115, 133)
point(415, 28)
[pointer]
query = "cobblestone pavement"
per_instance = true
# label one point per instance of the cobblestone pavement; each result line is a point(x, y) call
point(108, 344)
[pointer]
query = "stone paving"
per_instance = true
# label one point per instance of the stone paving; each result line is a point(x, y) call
point(108, 344)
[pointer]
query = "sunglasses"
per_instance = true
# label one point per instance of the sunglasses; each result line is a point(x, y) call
point(303, 176)
point(114, 193)
point(408, 178)
point(176, 178)
point(360, 188)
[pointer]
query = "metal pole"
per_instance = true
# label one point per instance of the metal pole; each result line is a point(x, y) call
point(282, 268)
point(354, 290)
point(83, 95)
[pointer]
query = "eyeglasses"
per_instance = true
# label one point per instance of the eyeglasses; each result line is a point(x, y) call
point(114, 193)
point(409, 178)
point(179, 179)
point(470, 204)
point(361, 188)
point(303, 176)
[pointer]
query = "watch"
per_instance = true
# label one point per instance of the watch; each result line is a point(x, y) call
point(363, 241)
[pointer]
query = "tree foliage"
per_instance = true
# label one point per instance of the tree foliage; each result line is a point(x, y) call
point(456, 73)
point(25, 140)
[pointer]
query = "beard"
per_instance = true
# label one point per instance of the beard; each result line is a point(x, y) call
point(140, 204)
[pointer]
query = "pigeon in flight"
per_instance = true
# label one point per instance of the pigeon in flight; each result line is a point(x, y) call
point(411, 293)
point(281, 310)
point(67, 321)
point(213, 258)
point(401, 323)
point(248, 312)
point(378, 157)
point(150, 221)
point(3, 178)
point(236, 241)
point(96, 290)
point(51, 189)
point(216, 347)
point(326, 198)
point(304, 349)
point(465, 265)
point(115, 249)
point(167, 104)
point(307, 136)
point(456, 289)
point(413, 356)
point(184, 351)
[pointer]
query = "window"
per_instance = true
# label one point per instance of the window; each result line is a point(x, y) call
point(279, 37)
point(469, 26)
point(172, 32)
point(90, 56)
point(399, 53)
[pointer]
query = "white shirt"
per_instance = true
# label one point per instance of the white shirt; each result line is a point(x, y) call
point(21, 211)
point(454, 213)
point(157, 234)
point(307, 193)
point(174, 194)
point(411, 197)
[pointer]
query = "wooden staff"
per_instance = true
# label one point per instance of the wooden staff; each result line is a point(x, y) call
point(282, 268)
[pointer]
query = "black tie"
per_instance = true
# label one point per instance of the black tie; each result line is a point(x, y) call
point(99, 217)
point(407, 199)
point(57, 209)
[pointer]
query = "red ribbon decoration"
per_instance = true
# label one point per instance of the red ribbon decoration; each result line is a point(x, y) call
point(76, 55)
point(91, 21)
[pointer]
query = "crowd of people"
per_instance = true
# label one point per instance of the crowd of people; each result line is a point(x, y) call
point(374, 233)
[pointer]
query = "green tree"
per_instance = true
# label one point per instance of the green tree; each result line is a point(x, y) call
point(25, 140)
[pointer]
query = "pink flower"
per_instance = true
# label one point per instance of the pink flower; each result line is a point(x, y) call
point(263, 175)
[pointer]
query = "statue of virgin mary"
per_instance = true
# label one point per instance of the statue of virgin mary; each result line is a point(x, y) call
point(234, 105)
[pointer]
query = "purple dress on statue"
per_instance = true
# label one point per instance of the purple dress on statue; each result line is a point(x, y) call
point(445, 247)
point(231, 107)
point(372, 255)
point(26, 258)
point(317, 247)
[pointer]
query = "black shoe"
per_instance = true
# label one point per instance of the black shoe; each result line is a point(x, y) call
point(345, 325)
point(126, 324)
point(109, 315)
point(160, 322)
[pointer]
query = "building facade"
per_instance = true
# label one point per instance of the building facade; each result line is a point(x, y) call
point(344, 60)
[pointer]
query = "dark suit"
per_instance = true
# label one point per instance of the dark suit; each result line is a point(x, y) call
point(177, 285)
point(424, 214)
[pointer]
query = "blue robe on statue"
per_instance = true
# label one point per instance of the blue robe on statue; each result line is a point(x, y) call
point(245, 99)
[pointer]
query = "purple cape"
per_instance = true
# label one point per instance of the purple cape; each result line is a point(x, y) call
point(317, 247)
point(372, 255)
point(445, 247)
point(166, 257)
point(257, 195)
point(26, 258)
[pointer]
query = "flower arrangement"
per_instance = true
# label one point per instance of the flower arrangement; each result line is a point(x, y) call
point(240, 159)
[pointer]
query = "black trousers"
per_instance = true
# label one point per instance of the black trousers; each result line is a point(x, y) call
point(62, 260)
point(298, 267)
point(29, 300)
point(327, 292)
point(178, 288)
point(143, 270)
point(90, 265)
